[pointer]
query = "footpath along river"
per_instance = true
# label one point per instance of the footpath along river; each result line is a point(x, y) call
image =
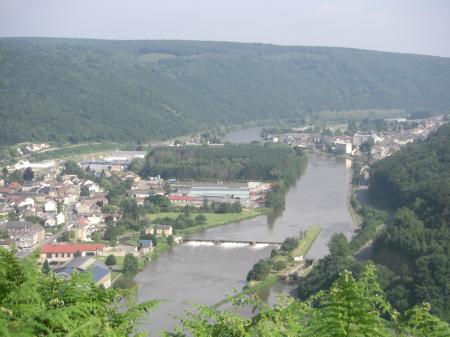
point(204, 273)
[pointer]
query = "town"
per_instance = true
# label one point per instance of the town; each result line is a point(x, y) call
point(96, 215)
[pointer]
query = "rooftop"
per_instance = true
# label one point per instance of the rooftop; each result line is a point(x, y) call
point(72, 247)
point(83, 264)
point(181, 198)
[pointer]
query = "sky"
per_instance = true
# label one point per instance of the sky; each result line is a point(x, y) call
point(411, 26)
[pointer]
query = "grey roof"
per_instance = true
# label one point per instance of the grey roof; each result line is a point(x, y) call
point(163, 227)
point(98, 272)
point(23, 226)
point(11, 224)
point(83, 264)
point(146, 243)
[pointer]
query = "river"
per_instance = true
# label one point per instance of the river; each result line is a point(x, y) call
point(245, 135)
point(201, 273)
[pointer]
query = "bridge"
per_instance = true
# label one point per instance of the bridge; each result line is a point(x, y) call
point(218, 242)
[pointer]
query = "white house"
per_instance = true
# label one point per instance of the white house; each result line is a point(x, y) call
point(50, 222)
point(26, 202)
point(50, 206)
point(343, 147)
point(60, 219)
point(92, 187)
point(94, 220)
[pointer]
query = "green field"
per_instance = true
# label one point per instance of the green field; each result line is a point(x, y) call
point(214, 219)
point(75, 152)
point(305, 244)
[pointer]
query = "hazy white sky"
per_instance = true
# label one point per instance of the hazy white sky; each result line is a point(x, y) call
point(414, 26)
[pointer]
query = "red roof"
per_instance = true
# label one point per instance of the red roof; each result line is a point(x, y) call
point(180, 198)
point(83, 221)
point(14, 185)
point(72, 247)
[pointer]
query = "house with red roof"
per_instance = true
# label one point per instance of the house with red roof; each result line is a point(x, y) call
point(62, 252)
point(184, 200)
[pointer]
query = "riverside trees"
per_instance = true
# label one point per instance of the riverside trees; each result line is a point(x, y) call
point(350, 308)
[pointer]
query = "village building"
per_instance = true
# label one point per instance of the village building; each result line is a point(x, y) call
point(4, 211)
point(145, 246)
point(50, 206)
point(25, 234)
point(220, 192)
point(6, 243)
point(62, 252)
point(101, 274)
point(60, 219)
point(50, 222)
point(23, 164)
point(83, 229)
point(160, 230)
point(185, 200)
point(342, 147)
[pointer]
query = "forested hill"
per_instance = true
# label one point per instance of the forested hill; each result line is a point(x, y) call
point(417, 244)
point(78, 90)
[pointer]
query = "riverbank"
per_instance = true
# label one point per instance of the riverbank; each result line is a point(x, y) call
point(216, 219)
point(289, 259)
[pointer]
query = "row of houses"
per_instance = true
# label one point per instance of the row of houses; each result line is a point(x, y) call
point(22, 234)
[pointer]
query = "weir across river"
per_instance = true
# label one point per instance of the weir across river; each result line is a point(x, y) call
point(218, 242)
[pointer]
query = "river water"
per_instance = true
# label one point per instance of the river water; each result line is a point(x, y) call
point(244, 135)
point(202, 273)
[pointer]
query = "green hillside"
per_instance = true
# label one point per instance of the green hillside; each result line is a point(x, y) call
point(417, 244)
point(81, 90)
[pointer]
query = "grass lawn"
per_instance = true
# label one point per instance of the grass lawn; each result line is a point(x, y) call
point(76, 152)
point(305, 244)
point(133, 242)
point(213, 219)
point(254, 287)
point(119, 261)
point(158, 249)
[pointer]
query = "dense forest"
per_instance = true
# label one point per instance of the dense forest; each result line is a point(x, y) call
point(75, 90)
point(231, 162)
point(417, 245)
point(35, 303)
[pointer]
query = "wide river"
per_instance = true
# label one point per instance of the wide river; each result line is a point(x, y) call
point(199, 273)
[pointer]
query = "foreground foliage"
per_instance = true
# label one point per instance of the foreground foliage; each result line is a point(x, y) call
point(350, 308)
point(34, 304)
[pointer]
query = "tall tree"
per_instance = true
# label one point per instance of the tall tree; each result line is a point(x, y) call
point(28, 174)
point(45, 267)
point(130, 265)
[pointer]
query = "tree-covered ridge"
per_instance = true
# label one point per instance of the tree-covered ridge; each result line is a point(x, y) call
point(83, 90)
point(268, 162)
point(418, 177)
point(417, 245)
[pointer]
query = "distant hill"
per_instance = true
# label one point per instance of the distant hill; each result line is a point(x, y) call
point(80, 90)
